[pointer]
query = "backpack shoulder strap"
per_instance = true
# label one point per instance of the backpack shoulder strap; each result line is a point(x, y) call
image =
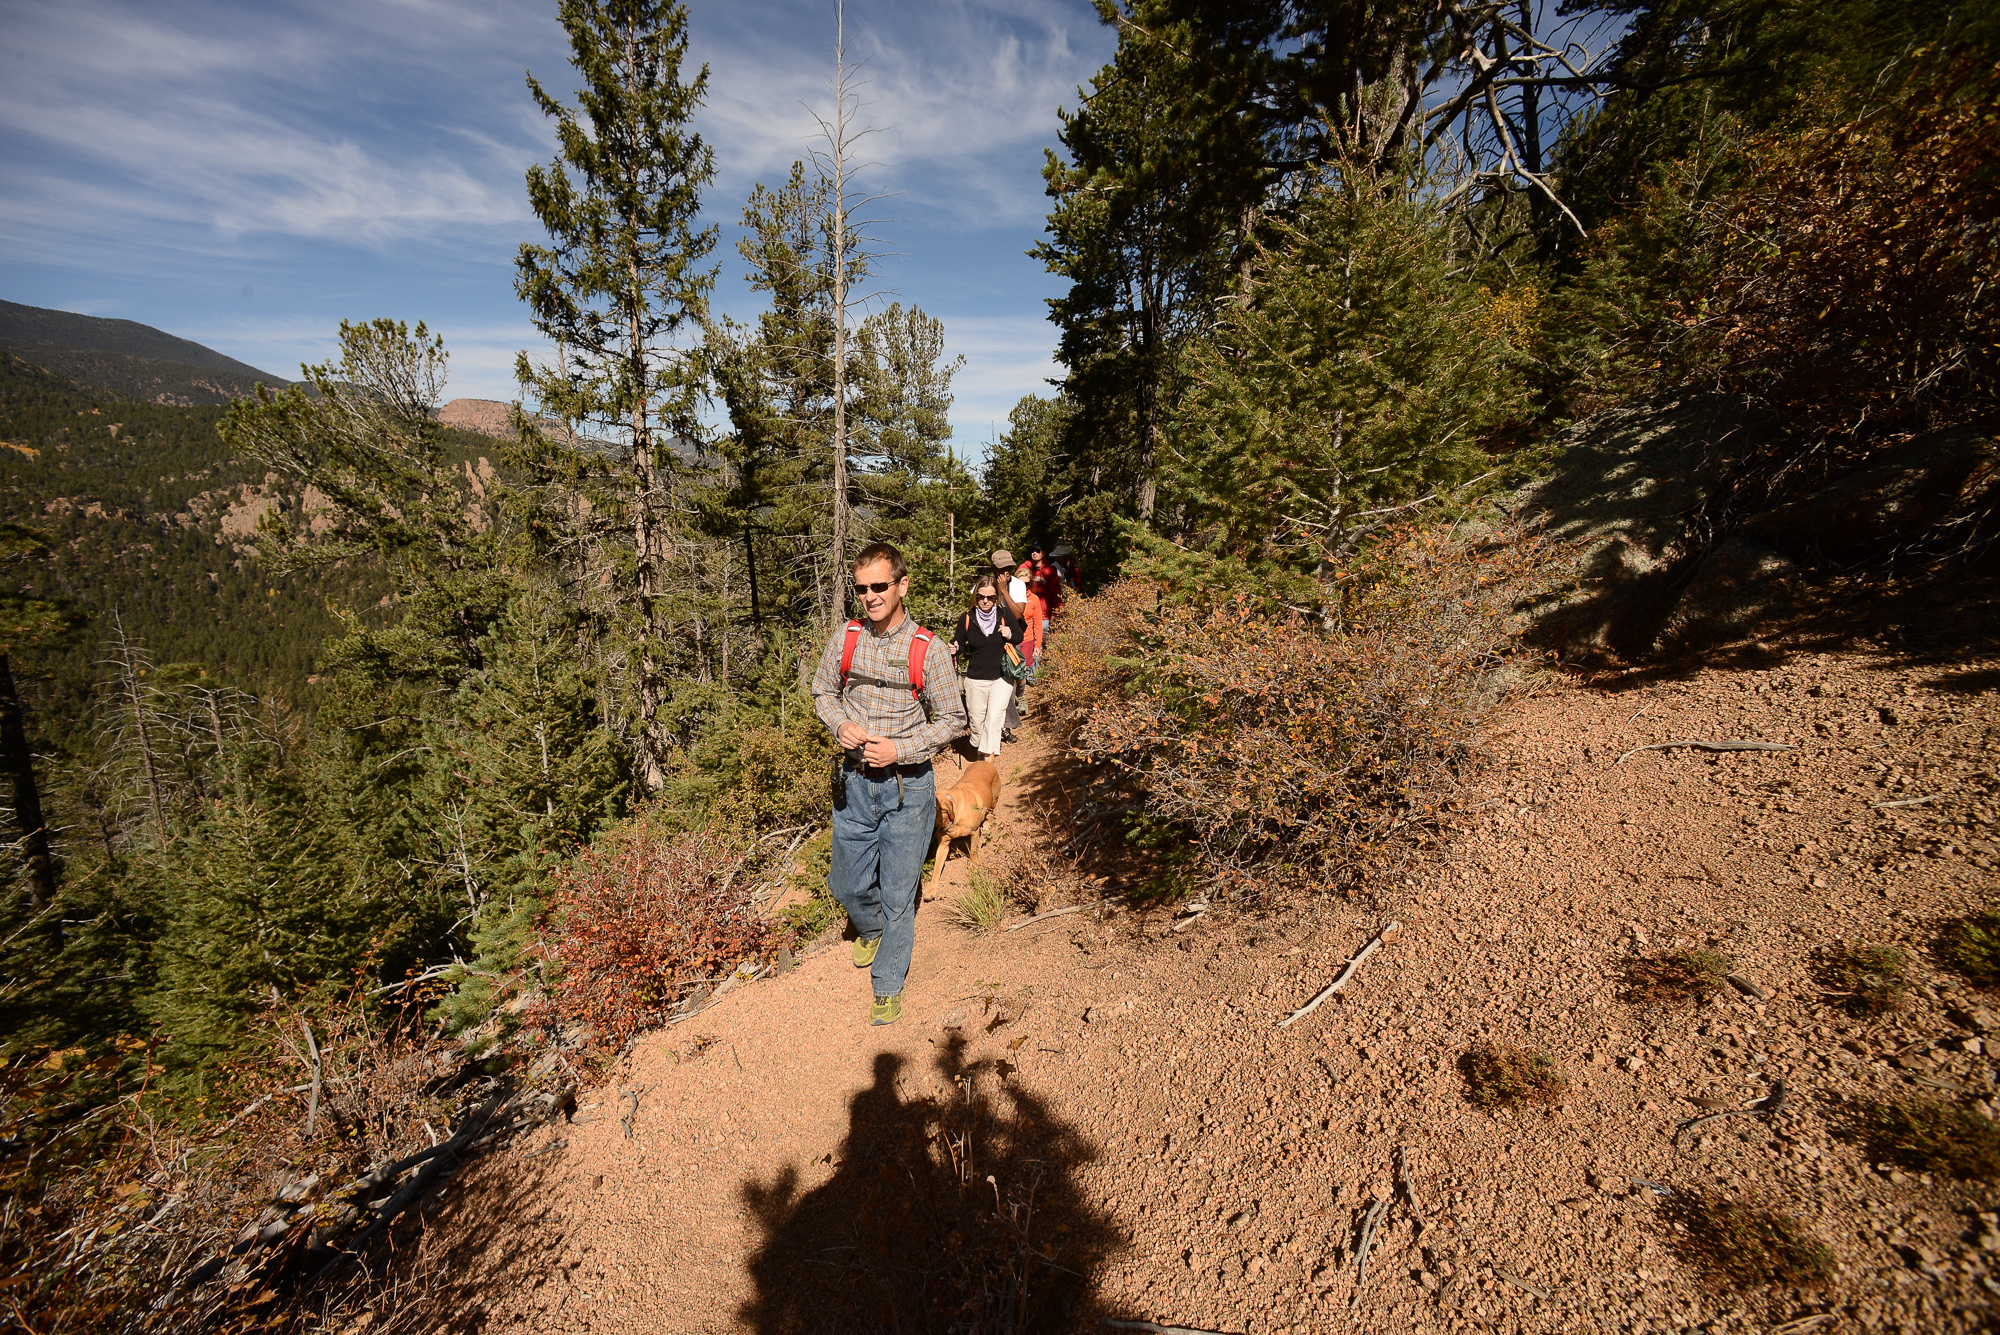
point(847, 651)
point(920, 646)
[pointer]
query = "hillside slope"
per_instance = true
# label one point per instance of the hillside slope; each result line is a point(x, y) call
point(133, 359)
point(1115, 1083)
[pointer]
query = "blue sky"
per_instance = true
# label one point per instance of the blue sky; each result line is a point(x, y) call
point(248, 174)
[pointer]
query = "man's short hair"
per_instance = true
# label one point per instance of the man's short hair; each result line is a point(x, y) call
point(882, 551)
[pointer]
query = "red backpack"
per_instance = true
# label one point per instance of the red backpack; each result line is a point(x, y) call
point(920, 645)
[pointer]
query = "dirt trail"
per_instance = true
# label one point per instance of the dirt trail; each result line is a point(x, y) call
point(1199, 1167)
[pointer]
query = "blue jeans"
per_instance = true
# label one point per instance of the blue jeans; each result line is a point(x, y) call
point(880, 840)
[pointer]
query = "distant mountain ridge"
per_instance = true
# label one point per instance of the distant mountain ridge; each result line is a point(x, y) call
point(133, 359)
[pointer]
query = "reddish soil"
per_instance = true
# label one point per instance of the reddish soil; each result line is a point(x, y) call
point(1198, 1167)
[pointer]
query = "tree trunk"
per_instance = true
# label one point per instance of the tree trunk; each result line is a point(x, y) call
point(19, 763)
point(839, 151)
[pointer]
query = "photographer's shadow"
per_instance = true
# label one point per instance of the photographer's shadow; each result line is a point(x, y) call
point(944, 1213)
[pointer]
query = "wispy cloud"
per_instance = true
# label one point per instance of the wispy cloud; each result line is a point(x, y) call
point(367, 157)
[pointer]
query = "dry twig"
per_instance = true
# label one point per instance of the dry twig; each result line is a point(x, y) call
point(1746, 987)
point(1773, 1103)
point(1155, 1328)
point(1341, 981)
point(630, 1113)
point(1707, 746)
point(1369, 1223)
point(1520, 1283)
point(1042, 917)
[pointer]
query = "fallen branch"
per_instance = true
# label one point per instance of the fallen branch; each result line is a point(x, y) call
point(312, 1101)
point(1044, 917)
point(1708, 746)
point(1407, 1183)
point(290, 1089)
point(1520, 1283)
point(1773, 1103)
point(1155, 1328)
point(1907, 802)
point(1341, 981)
point(440, 1157)
point(1369, 1223)
point(630, 1113)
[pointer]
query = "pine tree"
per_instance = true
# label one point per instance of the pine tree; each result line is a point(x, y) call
point(1357, 385)
point(777, 383)
point(617, 287)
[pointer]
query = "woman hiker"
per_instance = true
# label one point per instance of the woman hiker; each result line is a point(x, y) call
point(984, 634)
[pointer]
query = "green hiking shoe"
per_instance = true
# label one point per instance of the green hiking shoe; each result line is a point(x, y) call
point(886, 1010)
point(864, 950)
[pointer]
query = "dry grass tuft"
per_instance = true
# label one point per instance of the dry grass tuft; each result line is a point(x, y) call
point(1741, 1246)
point(1865, 980)
point(1972, 946)
point(1501, 1076)
point(1680, 978)
point(1934, 1136)
point(983, 906)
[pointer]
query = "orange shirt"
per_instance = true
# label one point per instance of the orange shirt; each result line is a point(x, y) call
point(1038, 613)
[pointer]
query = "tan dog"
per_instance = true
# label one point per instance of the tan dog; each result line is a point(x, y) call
point(962, 809)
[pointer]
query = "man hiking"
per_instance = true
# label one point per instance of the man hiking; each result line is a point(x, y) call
point(889, 691)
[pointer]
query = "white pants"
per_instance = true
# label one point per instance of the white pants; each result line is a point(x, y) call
point(986, 705)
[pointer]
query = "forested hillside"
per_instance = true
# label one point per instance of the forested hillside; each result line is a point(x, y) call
point(149, 514)
point(132, 359)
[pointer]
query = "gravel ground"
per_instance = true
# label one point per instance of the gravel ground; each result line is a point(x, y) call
point(1195, 1166)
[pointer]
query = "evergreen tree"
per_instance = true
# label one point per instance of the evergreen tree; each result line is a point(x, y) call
point(777, 383)
point(1358, 383)
point(616, 289)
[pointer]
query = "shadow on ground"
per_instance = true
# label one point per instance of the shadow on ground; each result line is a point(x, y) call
point(1643, 603)
point(950, 1211)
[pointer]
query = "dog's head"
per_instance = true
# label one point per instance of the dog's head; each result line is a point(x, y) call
point(947, 813)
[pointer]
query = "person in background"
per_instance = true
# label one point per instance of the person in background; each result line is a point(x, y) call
point(885, 804)
point(1003, 571)
point(1013, 597)
point(1045, 580)
point(983, 634)
point(1036, 618)
point(1067, 566)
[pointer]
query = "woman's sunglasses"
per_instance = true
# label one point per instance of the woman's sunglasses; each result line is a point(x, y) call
point(884, 587)
point(986, 597)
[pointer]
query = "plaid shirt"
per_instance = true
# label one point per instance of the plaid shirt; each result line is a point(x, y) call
point(878, 691)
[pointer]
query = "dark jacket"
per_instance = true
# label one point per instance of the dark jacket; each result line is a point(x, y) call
point(985, 651)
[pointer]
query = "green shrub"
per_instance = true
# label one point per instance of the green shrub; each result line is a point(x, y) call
point(1972, 945)
point(1501, 1076)
point(1865, 980)
point(1679, 978)
point(807, 922)
point(1735, 1245)
point(1933, 1136)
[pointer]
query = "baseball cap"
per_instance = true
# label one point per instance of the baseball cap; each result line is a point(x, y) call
point(1003, 558)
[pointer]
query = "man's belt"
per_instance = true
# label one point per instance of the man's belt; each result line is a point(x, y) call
point(911, 771)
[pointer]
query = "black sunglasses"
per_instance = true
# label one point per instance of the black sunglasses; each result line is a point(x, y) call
point(860, 588)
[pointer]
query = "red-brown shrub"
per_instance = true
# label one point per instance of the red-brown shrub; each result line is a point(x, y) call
point(1285, 750)
point(641, 919)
